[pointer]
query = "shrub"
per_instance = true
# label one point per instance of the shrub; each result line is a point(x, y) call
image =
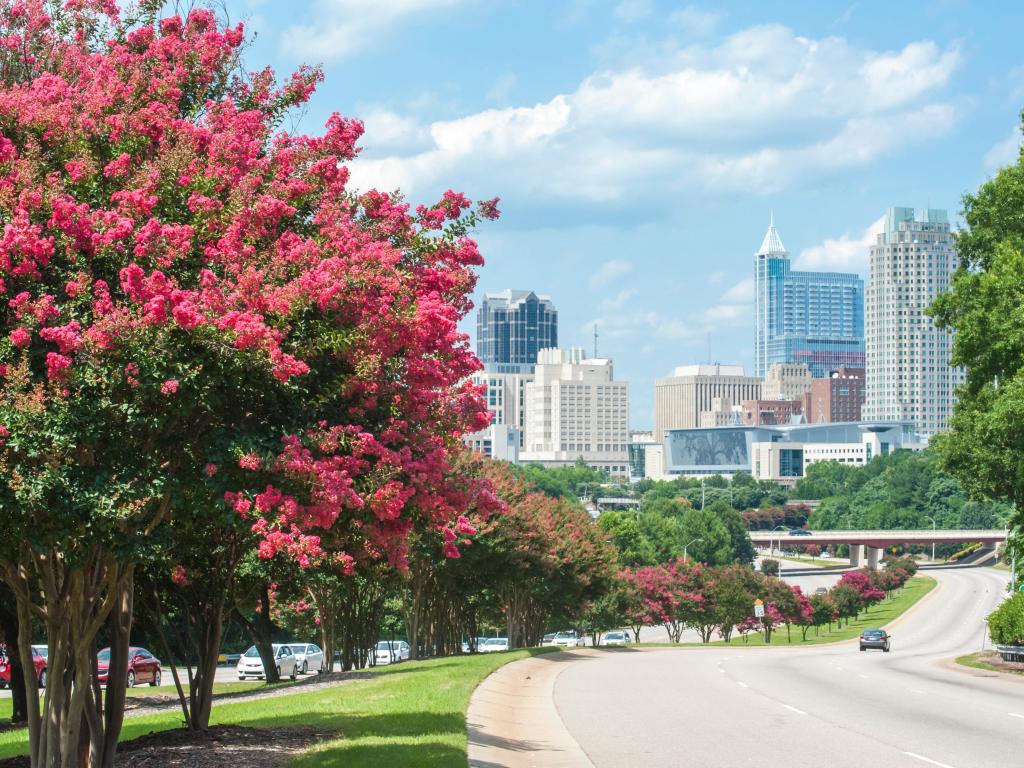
point(1006, 623)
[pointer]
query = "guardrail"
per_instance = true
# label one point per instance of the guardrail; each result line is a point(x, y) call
point(1011, 652)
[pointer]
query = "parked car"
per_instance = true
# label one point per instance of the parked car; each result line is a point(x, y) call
point(39, 653)
point(143, 667)
point(466, 648)
point(549, 639)
point(800, 532)
point(251, 665)
point(390, 651)
point(568, 639)
point(617, 637)
point(821, 591)
point(308, 657)
point(875, 638)
point(492, 644)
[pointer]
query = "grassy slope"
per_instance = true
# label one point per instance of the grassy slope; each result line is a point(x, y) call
point(409, 714)
point(977, 661)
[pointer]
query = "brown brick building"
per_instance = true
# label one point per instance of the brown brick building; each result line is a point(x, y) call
point(840, 397)
point(758, 412)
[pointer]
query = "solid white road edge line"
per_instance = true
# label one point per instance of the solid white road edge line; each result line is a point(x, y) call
point(924, 759)
point(741, 685)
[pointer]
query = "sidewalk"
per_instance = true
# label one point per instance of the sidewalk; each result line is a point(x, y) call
point(512, 721)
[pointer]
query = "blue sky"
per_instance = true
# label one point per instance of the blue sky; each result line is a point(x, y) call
point(638, 145)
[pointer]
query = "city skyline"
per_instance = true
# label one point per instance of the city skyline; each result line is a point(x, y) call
point(638, 147)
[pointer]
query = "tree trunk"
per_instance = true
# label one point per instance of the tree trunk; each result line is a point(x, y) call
point(9, 628)
point(117, 672)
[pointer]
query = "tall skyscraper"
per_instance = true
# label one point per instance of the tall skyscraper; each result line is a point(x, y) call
point(816, 318)
point(512, 327)
point(576, 409)
point(691, 390)
point(908, 373)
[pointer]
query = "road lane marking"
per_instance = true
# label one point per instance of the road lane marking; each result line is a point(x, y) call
point(722, 671)
point(924, 759)
point(741, 685)
point(863, 677)
point(1014, 714)
point(794, 709)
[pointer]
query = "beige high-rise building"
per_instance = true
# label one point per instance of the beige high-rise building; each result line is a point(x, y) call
point(575, 409)
point(680, 399)
point(786, 381)
point(908, 373)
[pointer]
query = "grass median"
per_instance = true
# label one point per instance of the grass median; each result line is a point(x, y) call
point(409, 714)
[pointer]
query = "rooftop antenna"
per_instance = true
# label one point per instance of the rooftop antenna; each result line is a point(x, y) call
point(595, 341)
point(709, 349)
point(771, 217)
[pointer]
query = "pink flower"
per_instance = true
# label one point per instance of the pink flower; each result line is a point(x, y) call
point(179, 576)
point(169, 387)
point(21, 337)
point(57, 366)
point(210, 470)
point(249, 461)
point(4, 433)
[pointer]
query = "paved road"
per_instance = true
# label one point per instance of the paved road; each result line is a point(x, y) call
point(808, 707)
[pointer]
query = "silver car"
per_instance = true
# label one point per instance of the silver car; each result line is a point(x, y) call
point(492, 644)
point(568, 640)
point(308, 657)
point(251, 665)
point(390, 651)
point(617, 637)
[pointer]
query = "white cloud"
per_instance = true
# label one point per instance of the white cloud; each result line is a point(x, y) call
point(1003, 153)
point(843, 254)
point(609, 271)
point(764, 110)
point(633, 10)
point(618, 301)
point(694, 20)
point(743, 291)
point(345, 27)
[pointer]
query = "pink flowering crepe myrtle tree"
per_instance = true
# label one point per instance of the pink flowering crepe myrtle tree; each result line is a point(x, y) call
point(195, 307)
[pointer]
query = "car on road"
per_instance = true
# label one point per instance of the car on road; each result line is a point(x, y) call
point(617, 637)
point(251, 665)
point(875, 638)
point(143, 667)
point(800, 532)
point(308, 656)
point(568, 639)
point(492, 644)
point(821, 591)
point(390, 651)
point(39, 654)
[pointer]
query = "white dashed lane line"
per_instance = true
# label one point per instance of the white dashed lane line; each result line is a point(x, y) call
point(928, 760)
point(794, 709)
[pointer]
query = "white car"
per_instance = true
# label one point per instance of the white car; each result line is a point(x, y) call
point(617, 637)
point(251, 665)
point(492, 644)
point(308, 658)
point(568, 640)
point(390, 651)
point(548, 639)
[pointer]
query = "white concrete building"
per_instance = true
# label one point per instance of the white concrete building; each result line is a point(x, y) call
point(499, 441)
point(504, 393)
point(908, 377)
point(787, 462)
point(575, 409)
point(681, 398)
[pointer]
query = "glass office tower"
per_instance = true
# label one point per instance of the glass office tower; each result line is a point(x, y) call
point(512, 326)
point(815, 318)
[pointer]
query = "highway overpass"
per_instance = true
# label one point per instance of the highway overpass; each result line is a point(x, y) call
point(875, 541)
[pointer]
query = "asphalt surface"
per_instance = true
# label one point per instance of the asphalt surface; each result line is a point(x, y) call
point(812, 706)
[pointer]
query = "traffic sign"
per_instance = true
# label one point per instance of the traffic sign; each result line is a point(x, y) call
point(758, 609)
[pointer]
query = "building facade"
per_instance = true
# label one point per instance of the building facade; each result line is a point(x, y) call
point(680, 399)
point(758, 412)
point(786, 381)
point(498, 441)
point(840, 397)
point(727, 450)
point(512, 327)
point(908, 376)
point(574, 408)
point(815, 318)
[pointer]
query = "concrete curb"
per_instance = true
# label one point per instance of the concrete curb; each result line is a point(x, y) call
point(512, 720)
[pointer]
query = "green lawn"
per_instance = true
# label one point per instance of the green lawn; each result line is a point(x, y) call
point(835, 562)
point(978, 661)
point(409, 714)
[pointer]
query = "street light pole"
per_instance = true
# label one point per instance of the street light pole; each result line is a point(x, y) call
point(933, 536)
point(687, 546)
point(702, 493)
point(771, 543)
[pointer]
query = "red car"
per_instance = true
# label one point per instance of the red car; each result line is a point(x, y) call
point(38, 658)
point(143, 667)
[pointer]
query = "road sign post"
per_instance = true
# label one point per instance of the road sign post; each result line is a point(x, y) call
point(759, 609)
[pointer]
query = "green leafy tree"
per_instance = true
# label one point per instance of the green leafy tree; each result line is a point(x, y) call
point(739, 538)
point(711, 542)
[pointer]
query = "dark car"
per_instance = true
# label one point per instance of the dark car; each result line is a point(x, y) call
point(143, 667)
point(799, 532)
point(875, 638)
